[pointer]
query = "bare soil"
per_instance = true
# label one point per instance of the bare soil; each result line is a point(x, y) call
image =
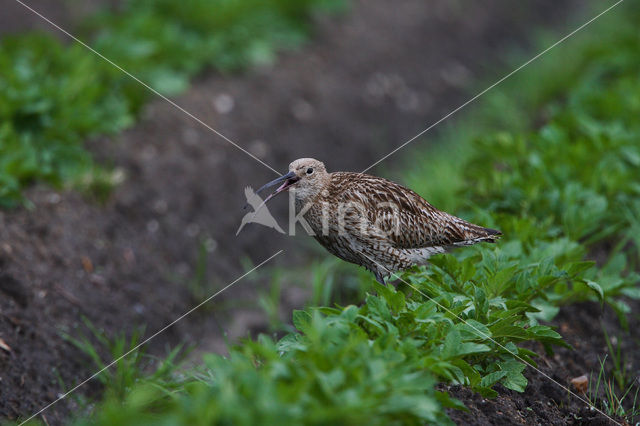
point(546, 403)
point(368, 81)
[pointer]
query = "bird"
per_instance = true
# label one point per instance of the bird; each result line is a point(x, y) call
point(371, 221)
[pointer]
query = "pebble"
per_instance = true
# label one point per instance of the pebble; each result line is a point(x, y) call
point(193, 229)
point(152, 226)
point(456, 74)
point(581, 384)
point(210, 244)
point(54, 198)
point(259, 148)
point(160, 206)
point(223, 103)
point(302, 110)
point(190, 136)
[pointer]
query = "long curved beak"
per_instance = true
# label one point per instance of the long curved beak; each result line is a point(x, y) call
point(284, 178)
point(287, 181)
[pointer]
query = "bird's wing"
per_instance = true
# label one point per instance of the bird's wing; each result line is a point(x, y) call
point(407, 220)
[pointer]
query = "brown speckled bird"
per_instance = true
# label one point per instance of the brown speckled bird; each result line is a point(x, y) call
point(371, 221)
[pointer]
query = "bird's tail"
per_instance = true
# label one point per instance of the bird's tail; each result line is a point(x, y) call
point(474, 234)
point(491, 235)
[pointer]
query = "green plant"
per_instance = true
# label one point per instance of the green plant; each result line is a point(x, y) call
point(270, 302)
point(125, 366)
point(620, 370)
point(53, 97)
point(567, 189)
point(564, 194)
point(327, 374)
point(614, 403)
point(199, 285)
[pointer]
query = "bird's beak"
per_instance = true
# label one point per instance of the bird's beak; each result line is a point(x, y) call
point(287, 181)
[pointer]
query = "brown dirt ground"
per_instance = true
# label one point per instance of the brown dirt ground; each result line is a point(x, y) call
point(365, 83)
point(546, 403)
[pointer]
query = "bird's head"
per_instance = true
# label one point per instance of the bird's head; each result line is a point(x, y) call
point(306, 176)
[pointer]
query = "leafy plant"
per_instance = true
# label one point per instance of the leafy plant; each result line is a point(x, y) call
point(130, 365)
point(51, 100)
point(53, 97)
point(563, 193)
point(614, 403)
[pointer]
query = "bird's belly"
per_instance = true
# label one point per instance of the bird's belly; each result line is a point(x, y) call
point(419, 256)
point(343, 247)
point(358, 241)
point(358, 248)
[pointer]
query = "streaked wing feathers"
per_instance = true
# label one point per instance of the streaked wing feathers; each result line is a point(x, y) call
point(407, 219)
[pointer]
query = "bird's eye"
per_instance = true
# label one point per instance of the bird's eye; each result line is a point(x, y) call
point(309, 170)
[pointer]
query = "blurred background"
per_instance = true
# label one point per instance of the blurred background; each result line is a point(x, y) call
point(120, 211)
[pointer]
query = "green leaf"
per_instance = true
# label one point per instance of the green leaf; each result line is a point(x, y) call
point(487, 392)
point(451, 344)
point(455, 347)
point(448, 402)
point(543, 332)
point(301, 320)
point(378, 308)
point(492, 378)
point(394, 298)
point(514, 379)
point(472, 329)
point(576, 268)
point(505, 329)
point(596, 288)
point(481, 303)
point(547, 310)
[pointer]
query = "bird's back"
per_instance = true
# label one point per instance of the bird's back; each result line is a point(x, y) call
point(407, 219)
point(383, 226)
